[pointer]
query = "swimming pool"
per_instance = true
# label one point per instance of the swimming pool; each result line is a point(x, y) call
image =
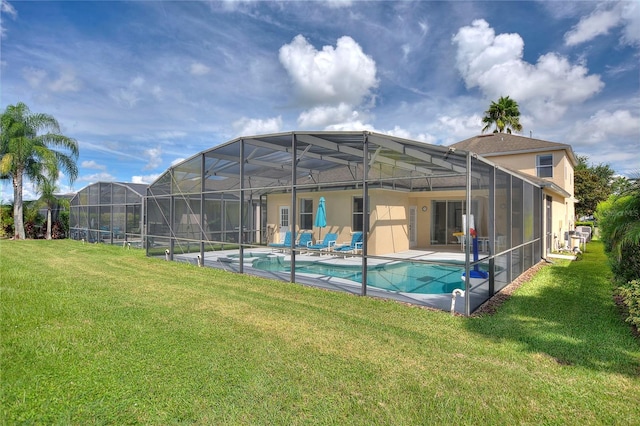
point(405, 277)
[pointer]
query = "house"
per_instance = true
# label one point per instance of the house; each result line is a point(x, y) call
point(408, 198)
point(548, 164)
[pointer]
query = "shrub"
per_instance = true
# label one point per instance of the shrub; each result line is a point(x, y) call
point(30, 229)
point(619, 225)
point(57, 230)
point(626, 267)
point(630, 294)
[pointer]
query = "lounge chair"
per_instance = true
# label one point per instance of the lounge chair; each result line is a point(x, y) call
point(327, 243)
point(285, 244)
point(355, 244)
point(305, 240)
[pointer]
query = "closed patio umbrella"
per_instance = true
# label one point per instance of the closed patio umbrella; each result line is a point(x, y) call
point(321, 216)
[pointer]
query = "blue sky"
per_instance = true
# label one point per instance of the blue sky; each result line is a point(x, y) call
point(142, 85)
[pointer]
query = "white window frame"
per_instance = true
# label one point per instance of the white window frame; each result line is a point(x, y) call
point(544, 167)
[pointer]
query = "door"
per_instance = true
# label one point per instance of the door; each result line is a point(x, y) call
point(413, 226)
point(283, 222)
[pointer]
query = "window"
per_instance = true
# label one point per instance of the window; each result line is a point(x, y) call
point(284, 216)
point(357, 214)
point(544, 165)
point(306, 214)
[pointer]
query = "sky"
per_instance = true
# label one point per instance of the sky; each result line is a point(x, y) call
point(142, 85)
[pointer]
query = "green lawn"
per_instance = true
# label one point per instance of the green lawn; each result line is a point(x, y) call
point(95, 334)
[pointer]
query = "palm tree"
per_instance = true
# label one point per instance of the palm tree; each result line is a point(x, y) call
point(46, 188)
point(504, 114)
point(26, 148)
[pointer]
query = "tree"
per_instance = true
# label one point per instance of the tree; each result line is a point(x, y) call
point(46, 188)
point(27, 147)
point(589, 191)
point(504, 114)
point(619, 220)
point(592, 184)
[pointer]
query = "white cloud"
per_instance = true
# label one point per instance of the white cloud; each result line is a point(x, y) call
point(6, 9)
point(113, 148)
point(406, 134)
point(494, 64)
point(96, 177)
point(460, 127)
point(125, 97)
point(157, 92)
point(34, 76)
point(138, 81)
point(344, 74)
point(38, 78)
point(66, 82)
point(255, 126)
point(171, 134)
point(199, 69)
point(604, 126)
point(148, 179)
point(131, 95)
point(92, 165)
point(177, 161)
point(338, 4)
point(606, 17)
point(322, 116)
point(346, 126)
point(154, 156)
point(631, 23)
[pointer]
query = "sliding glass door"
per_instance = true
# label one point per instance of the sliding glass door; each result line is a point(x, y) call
point(446, 220)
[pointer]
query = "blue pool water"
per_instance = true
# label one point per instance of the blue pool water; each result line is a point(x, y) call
point(406, 277)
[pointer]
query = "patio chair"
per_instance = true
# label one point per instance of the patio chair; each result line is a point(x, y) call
point(355, 244)
point(327, 243)
point(285, 244)
point(305, 240)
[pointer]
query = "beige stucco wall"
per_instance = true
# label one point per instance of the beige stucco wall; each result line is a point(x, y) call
point(338, 205)
point(389, 222)
point(562, 209)
point(389, 217)
point(526, 163)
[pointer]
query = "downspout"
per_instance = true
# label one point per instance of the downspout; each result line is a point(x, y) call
point(365, 211)
point(467, 251)
point(203, 234)
point(292, 219)
point(172, 219)
point(241, 201)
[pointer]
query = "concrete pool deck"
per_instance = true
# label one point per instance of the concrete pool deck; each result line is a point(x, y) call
point(228, 260)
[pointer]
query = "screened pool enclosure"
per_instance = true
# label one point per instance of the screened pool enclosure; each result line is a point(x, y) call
point(108, 212)
point(399, 216)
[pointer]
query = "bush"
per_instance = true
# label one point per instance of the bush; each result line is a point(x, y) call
point(618, 219)
point(57, 230)
point(626, 267)
point(630, 294)
point(30, 229)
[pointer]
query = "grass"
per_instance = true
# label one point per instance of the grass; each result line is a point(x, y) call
point(94, 334)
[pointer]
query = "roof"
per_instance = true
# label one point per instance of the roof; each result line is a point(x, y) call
point(495, 144)
point(325, 158)
point(139, 189)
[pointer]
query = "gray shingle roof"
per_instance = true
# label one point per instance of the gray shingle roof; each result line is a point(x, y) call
point(495, 144)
